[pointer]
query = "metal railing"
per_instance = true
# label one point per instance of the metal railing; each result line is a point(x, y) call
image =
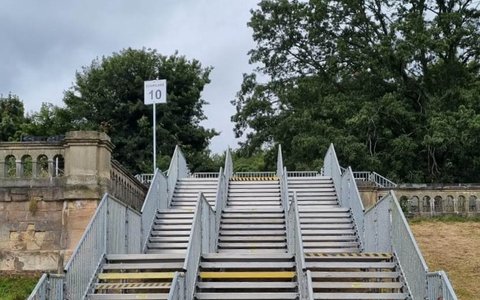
point(157, 198)
point(254, 174)
point(375, 178)
point(228, 164)
point(221, 198)
point(295, 246)
point(350, 198)
point(331, 168)
point(202, 239)
point(50, 286)
point(178, 169)
point(303, 174)
point(408, 254)
point(205, 175)
point(377, 227)
point(177, 289)
point(439, 287)
point(282, 175)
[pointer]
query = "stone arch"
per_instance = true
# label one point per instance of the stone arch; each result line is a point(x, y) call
point(10, 166)
point(414, 204)
point(42, 165)
point(438, 204)
point(58, 165)
point(403, 200)
point(449, 204)
point(461, 201)
point(472, 203)
point(27, 166)
point(426, 204)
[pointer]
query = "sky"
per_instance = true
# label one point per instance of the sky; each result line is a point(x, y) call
point(43, 43)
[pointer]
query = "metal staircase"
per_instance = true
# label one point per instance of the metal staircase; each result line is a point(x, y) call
point(251, 260)
point(258, 243)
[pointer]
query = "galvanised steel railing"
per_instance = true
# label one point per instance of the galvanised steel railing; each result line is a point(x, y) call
point(177, 289)
point(50, 286)
point(331, 168)
point(254, 174)
point(407, 251)
point(178, 169)
point(221, 198)
point(378, 227)
point(295, 246)
point(439, 286)
point(228, 165)
point(202, 239)
point(282, 175)
point(374, 177)
point(157, 198)
point(205, 175)
point(146, 178)
point(303, 174)
point(350, 198)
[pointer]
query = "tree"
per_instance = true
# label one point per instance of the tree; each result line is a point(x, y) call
point(394, 84)
point(11, 117)
point(50, 120)
point(108, 96)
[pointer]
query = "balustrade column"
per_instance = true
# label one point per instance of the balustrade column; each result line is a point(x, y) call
point(50, 168)
point(18, 168)
point(34, 169)
point(3, 170)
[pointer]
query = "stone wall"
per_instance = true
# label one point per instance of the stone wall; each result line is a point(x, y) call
point(429, 199)
point(48, 193)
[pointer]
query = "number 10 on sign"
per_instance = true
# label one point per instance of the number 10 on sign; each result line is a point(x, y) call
point(155, 91)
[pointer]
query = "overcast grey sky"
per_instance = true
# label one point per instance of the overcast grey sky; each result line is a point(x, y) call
point(43, 43)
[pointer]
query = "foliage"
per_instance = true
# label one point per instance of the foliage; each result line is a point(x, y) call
point(11, 117)
point(394, 84)
point(16, 287)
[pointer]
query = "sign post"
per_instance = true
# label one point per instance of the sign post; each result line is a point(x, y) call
point(155, 91)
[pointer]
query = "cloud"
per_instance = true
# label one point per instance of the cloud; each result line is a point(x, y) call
point(43, 43)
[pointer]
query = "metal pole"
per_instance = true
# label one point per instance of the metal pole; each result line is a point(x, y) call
point(154, 138)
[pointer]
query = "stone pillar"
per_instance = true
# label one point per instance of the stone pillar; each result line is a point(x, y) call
point(87, 164)
point(19, 168)
point(3, 168)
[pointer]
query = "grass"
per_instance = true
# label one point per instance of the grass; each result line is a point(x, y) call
point(16, 287)
point(453, 246)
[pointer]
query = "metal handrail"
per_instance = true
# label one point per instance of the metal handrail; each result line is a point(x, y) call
point(202, 239)
point(350, 198)
point(303, 173)
point(282, 175)
point(377, 179)
point(177, 289)
point(221, 198)
point(157, 198)
point(331, 168)
point(40, 290)
point(204, 175)
point(254, 174)
point(228, 165)
point(178, 169)
point(439, 286)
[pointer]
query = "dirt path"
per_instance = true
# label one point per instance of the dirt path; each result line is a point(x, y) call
point(455, 248)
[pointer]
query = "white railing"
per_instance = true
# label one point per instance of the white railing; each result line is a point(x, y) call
point(202, 239)
point(50, 286)
point(377, 226)
point(178, 169)
point(375, 178)
point(303, 174)
point(439, 287)
point(221, 198)
point(349, 197)
point(282, 175)
point(331, 168)
point(228, 165)
point(204, 175)
point(295, 246)
point(254, 174)
point(157, 198)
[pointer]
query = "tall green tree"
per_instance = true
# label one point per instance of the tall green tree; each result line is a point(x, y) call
point(394, 84)
point(108, 96)
point(11, 117)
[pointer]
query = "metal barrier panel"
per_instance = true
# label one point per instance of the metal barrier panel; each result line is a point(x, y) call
point(303, 174)
point(156, 199)
point(408, 254)
point(254, 174)
point(40, 290)
point(87, 257)
point(228, 165)
point(177, 169)
point(205, 175)
point(116, 231)
point(331, 168)
point(377, 226)
point(220, 201)
point(177, 290)
point(439, 287)
point(350, 198)
point(134, 236)
point(55, 286)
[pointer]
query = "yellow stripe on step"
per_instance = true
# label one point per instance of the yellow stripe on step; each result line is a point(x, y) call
point(143, 275)
point(211, 275)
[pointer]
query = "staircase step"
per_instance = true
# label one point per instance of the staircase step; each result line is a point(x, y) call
point(251, 226)
point(253, 210)
point(136, 275)
point(241, 296)
point(246, 285)
point(246, 257)
point(252, 232)
point(349, 265)
point(364, 256)
point(127, 296)
point(330, 244)
point(360, 296)
point(133, 286)
point(144, 266)
point(248, 275)
point(273, 238)
point(248, 215)
point(143, 257)
point(247, 265)
point(252, 245)
point(357, 285)
point(355, 275)
point(253, 221)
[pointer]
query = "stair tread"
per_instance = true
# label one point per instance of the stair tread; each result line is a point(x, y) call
point(128, 296)
point(360, 296)
point(357, 285)
point(132, 285)
point(246, 285)
point(240, 296)
point(247, 265)
point(149, 266)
